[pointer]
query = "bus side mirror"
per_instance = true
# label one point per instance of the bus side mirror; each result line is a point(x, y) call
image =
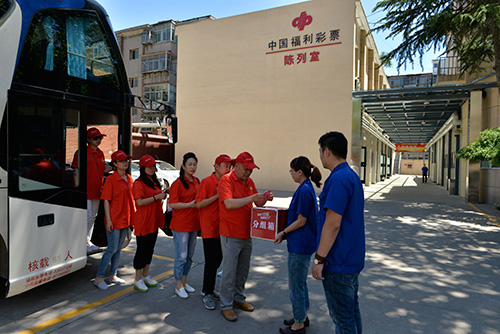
point(172, 122)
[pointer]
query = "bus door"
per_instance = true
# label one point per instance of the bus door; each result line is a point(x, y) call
point(46, 197)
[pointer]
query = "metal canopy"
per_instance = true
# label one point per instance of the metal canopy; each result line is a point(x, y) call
point(414, 115)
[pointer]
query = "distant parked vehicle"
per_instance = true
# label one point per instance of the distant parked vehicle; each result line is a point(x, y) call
point(166, 173)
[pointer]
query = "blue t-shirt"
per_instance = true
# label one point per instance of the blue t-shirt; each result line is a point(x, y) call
point(343, 194)
point(304, 202)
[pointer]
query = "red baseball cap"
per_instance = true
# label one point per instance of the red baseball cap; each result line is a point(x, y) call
point(94, 132)
point(224, 158)
point(147, 161)
point(246, 160)
point(120, 155)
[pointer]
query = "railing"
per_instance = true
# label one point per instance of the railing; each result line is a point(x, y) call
point(448, 69)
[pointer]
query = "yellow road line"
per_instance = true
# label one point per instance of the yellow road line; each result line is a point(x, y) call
point(80, 310)
point(485, 214)
point(154, 255)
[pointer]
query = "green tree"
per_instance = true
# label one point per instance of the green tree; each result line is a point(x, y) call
point(486, 147)
point(469, 29)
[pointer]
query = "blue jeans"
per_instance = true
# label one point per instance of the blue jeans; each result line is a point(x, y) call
point(115, 242)
point(298, 268)
point(185, 243)
point(341, 293)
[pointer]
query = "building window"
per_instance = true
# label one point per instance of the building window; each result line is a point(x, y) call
point(172, 97)
point(158, 34)
point(161, 62)
point(164, 32)
point(134, 82)
point(134, 54)
point(156, 92)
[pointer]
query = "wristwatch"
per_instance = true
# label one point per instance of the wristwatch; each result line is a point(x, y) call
point(319, 259)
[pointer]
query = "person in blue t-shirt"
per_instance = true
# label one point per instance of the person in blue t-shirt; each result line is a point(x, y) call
point(301, 234)
point(424, 174)
point(340, 256)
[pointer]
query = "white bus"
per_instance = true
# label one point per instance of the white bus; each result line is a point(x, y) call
point(61, 72)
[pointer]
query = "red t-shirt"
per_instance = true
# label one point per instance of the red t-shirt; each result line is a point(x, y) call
point(184, 220)
point(121, 202)
point(147, 218)
point(235, 223)
point(209, 215)
point(95, 171)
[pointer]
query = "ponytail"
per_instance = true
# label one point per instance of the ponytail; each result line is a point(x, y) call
point(310, 171)
point(316, 176)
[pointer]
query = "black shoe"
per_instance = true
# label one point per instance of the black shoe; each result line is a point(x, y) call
point(289, 330)
point(290, 322)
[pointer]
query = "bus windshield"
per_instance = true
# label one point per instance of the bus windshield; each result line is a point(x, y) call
point(69, 47)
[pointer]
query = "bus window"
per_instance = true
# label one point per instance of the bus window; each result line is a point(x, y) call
point(69, 48)
point(43, 155)
point(89, 56)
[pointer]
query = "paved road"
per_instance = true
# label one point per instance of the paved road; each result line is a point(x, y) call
point(432, 267)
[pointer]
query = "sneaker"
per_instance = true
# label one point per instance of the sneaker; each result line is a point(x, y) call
point(92, 248)
point(189, 288)
point(149, 281)
point(101, 286)
point(118, 280)
point(209, 302)
point(140, 286)
point(181, 293)
point(216, 294)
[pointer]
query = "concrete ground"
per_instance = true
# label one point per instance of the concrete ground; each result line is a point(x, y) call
point(432, 266)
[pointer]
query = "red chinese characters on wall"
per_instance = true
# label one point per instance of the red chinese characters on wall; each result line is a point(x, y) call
point(301, 58)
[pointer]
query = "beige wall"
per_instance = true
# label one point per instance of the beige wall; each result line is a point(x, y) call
point(411, 166)
point(233, 97)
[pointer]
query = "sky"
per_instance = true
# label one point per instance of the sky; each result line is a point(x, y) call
point(130, 13)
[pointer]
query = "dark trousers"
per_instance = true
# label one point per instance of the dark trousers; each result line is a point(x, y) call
point(145, 249)
point(213, 259)
point(424, 178)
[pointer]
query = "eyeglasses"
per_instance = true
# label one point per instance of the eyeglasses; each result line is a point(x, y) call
point(97, 138)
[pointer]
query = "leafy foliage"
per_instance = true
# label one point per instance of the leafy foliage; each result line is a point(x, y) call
point(469, 29)
point(486, 147)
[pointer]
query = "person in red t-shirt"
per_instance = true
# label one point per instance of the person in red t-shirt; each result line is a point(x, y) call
point(237, 194)
point(208, 204)
point(147, 219)
point(96, 168)
point(185, 222)
point(119, 210)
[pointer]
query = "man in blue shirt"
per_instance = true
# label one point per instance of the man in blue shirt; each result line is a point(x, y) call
point(340, 255)
point(424, 174)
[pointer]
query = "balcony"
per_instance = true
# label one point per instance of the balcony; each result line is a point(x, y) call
point(448, 69)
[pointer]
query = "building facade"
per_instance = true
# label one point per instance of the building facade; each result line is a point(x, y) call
point(476, 182)
point(272, 82)
point(150, 56)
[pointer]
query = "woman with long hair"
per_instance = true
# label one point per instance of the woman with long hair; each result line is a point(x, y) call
point(148, 218)
point(185, 222)
point(119, 210)
point(301, 234)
